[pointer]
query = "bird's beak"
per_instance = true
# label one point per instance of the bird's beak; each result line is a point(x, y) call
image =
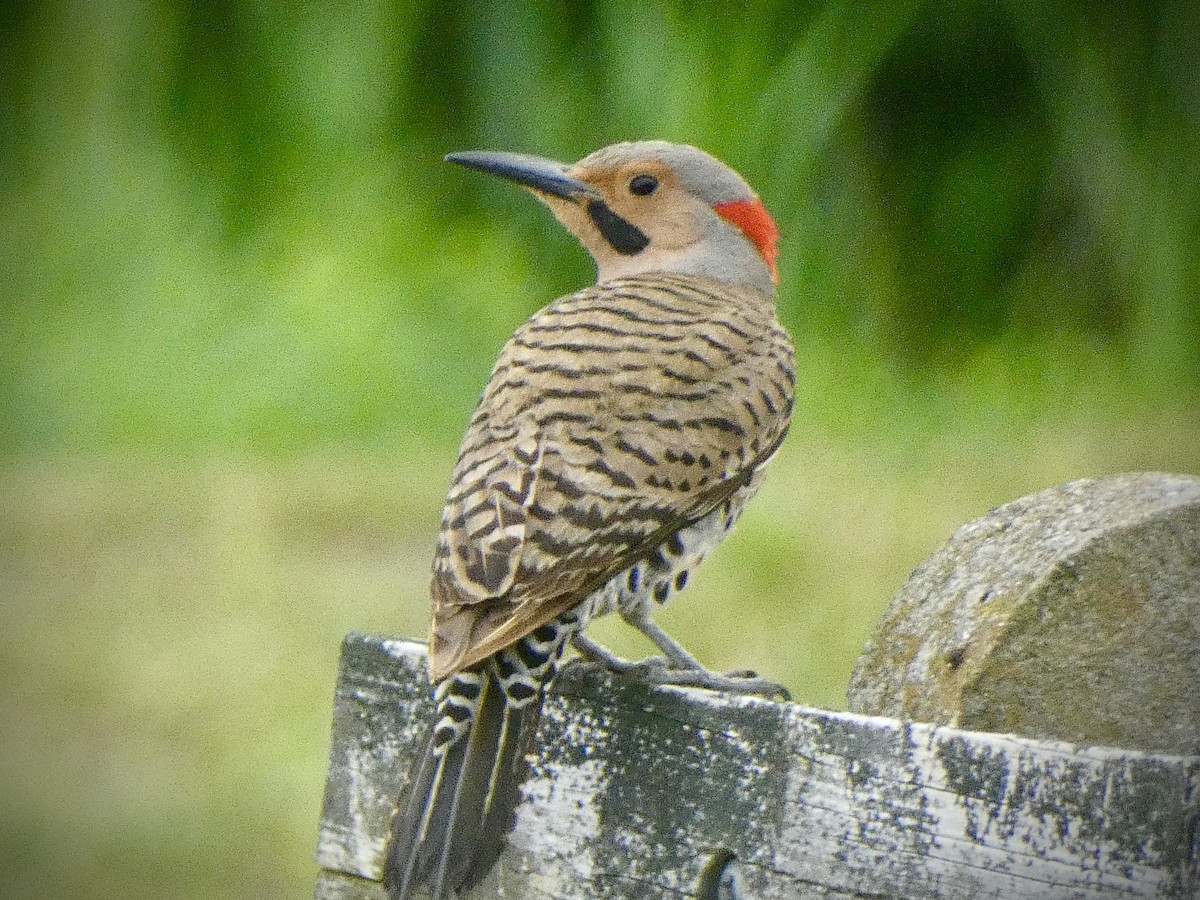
point(534, 172)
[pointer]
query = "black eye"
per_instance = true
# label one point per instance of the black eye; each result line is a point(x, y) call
point(643, 185)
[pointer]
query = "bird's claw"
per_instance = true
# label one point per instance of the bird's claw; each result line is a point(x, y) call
point(663, 670)
point(733, 683)
point(641, 668)
point(741, 673)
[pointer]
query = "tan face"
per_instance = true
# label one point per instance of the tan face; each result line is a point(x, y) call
point(646, 194)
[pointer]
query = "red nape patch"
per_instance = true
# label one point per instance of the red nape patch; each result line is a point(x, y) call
point(756, 224)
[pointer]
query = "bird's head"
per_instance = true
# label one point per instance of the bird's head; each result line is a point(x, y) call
point(651, 206)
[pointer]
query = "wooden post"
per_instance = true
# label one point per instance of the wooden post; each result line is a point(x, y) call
point(1070, 614)
point(636, 790)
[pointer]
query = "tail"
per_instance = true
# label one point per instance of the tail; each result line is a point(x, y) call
point(452, 820)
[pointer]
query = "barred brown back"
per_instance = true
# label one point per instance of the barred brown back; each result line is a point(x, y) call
point(614, 417)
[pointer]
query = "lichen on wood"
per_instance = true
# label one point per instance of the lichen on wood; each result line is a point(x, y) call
point(635, 789)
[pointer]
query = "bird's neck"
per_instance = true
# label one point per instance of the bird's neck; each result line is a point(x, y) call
point(729, 259)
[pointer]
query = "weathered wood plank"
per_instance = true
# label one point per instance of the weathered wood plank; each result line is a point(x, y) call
point(340, 886)
point(634, 789)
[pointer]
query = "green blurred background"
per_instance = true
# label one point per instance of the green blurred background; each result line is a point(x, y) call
point(246, 311)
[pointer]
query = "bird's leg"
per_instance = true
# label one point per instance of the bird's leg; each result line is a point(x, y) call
point(684, 669)
point(715, 681)
point(680, 658)
point(596, 654)
point(677, 666)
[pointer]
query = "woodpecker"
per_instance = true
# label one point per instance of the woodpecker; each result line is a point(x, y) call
point(620, 434)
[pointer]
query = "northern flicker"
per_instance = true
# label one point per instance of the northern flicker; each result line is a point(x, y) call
point(620, 434)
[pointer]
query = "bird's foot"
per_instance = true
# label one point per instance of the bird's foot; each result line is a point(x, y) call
point(617, 665)
point(741, 673)
point(683, 672)
point(595, 656)
point(739, 682)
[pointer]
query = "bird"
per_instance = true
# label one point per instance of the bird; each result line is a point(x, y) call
point(620, 433)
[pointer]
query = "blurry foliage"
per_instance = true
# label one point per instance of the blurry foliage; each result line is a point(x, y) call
point(226, 225)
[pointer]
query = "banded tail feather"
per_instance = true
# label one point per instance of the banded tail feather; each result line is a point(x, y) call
point(451, 822)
